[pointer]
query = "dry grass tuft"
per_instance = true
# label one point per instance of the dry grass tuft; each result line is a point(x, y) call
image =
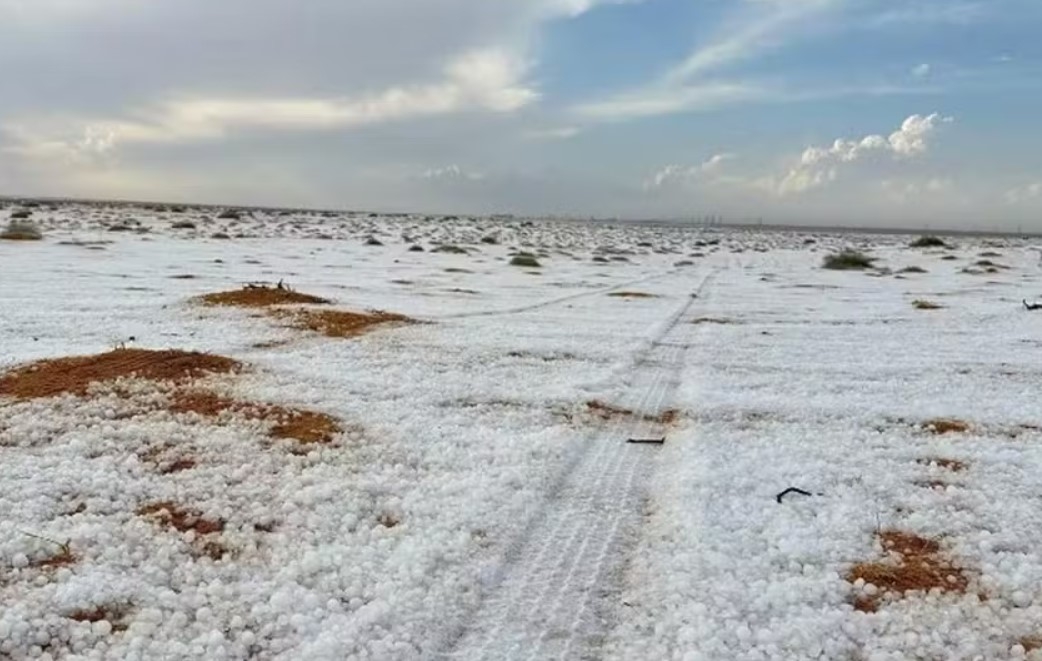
point(63, 558)
point(257, 296)
point(914, 564)
point(632, 294)
point(953, 465)
point(920, 304)
point(339, 323)
point(75, 374)
point(946, 426)
point(181, 519)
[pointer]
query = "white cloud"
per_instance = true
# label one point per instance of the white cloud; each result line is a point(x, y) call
point(558, 133)
point(818, 166)
point(904, 191)
point(1022, 194)
point(452, 173)
point(689, 174)
point(478, 81)
point(758, 27)
point(921, 70)
point(668, 100)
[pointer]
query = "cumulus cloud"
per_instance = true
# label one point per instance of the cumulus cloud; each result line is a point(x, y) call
point(688, 174)
point(818, 166)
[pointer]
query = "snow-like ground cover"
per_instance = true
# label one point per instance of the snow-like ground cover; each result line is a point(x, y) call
point(458, 431)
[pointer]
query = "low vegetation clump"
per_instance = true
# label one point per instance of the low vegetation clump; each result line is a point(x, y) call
point(526, 260)
point(928, 242)
point(21, 230)
point(920, 304)
point(913, 269)
point(260, 296)
point(74, 375)
point(632, 294)
point(450, 249)
point(848, 260)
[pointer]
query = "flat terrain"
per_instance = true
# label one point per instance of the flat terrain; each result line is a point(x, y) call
point(343, 436)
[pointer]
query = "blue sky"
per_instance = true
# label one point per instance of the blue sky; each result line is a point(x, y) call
point(885, 112)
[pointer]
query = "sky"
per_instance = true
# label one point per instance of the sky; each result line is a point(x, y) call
point(905, 113)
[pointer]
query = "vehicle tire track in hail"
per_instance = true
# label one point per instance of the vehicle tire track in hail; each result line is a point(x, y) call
point(553, 596)
point(528, 307)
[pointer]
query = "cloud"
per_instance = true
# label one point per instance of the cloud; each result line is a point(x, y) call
point(921, 70)
point(669, 100)
point(818, 166)
point(451, 173)
point(1023, 194)
point(687, 175)
point(758, 27)
point(904, 191)
point(559, 133)
point(478, 81)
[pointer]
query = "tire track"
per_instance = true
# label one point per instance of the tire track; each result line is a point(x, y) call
point(528, 307)
point(553, 596)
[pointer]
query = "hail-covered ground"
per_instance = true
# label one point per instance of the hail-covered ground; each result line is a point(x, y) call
point(478, 498)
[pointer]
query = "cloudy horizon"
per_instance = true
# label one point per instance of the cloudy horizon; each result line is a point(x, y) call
point(860, 112)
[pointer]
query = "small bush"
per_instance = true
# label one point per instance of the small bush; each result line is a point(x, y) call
point(848, 260)
point(525, 260)
point(912, 269)
point(21, 214)
point(373, 241)
point(928, 242)
point(451, 249)
point(183, 225)
point(416, 248)
point(926, 305)
point(21, 230)
point(229, 214)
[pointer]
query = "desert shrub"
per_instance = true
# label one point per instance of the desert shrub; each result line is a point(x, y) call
point(490, 240)
point(373, 241)
point(920, 304)
point(848, 260)
point(21, 214)
point(525, 259)
point(450, 249)
point(928, 242)
point(183, 225)
point(21, 230)
point(416, 248)
point(912, 269)
point(229, 214)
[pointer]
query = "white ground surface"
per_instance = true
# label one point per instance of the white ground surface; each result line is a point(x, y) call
point(527, 527)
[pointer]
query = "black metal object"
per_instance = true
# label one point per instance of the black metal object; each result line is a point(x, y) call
point(792, 490)
point(647, 441)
